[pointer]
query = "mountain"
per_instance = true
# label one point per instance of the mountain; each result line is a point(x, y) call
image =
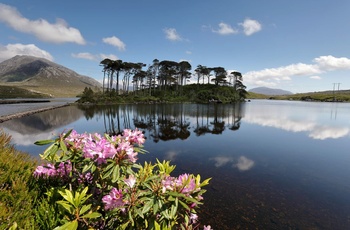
point(43, 76)
point(270, 91)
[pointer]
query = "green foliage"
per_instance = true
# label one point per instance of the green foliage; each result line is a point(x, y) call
point(112, 192)
point(17, 196)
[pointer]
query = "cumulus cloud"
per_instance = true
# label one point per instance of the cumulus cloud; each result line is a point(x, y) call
point(271, 76)
point(11, 50)
point(225, 29)
point(250, 26)
point(114, 41)
point(58, 32)
point(329, 62)
point(94, 57)
point(171, 34)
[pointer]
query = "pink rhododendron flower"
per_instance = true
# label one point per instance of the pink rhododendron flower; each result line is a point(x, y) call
point(130, 181)
point(135, 136)
point(193, 218)
point(113, 200)
point(99, 148)
point(207, 227)
point(48, 170)
point(64, 168)
point(128, 149)
point(168, 184)
point(186, 182)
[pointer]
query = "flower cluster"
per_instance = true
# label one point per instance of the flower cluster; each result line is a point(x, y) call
point(113, 200)
point(104, 185)
point(184, 183)
point(49, 170)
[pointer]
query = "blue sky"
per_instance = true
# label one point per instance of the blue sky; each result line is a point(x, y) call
point(299, 45)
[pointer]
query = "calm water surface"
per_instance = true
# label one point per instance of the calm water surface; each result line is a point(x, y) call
point(273, 164)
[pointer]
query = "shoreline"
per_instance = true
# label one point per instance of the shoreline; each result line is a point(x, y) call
point(17, 101)
point(27, 113)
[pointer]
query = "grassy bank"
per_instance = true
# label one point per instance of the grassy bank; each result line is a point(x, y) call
point(325, 96)
point(17, 195)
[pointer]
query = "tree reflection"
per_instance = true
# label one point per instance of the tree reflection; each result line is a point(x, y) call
point(164, 122)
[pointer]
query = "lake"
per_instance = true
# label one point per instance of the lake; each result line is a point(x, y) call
point(273, 164)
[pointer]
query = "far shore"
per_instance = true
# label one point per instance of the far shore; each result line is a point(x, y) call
point(22, 114)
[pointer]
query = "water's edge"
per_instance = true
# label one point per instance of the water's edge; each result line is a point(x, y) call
point(27, 113)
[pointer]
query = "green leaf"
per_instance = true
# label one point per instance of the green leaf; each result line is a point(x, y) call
point(67, 134)
point(68, 196)
point(66, 205)
point(205, 182)
point(156, 225)
point(147, 206)
point(73, 225)
point(184, 205)
point(44, 142)
point(63, 146)
point(84, 209)
point(173, 211)
point(92, 215)
point(51, 150)
point(115, 175)
point(87, 167)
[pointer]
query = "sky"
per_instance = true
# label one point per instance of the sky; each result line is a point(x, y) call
point(300, 46)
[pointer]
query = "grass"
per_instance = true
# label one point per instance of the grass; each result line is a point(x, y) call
point(17, 196)
point(17, 92)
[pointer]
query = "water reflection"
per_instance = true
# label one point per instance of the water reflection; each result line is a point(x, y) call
point(242, 163)
point(27, 130)
point(168, 122)
point(275, 165)
point(308, 118)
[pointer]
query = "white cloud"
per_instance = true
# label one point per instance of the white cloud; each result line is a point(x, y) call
point(86, 55)
point(109, 56)
point(272, 76)
point(250, 26)
point(58, 32)
point(114, 41)
point(332, 63)
point(316, 77)
point(11, 50)
point(225, 29)
point(172, 35)
point(94, 57)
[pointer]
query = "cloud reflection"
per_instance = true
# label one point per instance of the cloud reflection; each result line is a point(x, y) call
point(242, 163)
point(314, 130)
point(171, 155)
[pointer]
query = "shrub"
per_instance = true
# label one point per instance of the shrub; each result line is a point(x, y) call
point(94, 182)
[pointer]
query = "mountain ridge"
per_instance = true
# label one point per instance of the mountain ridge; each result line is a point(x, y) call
point(269, 91)
point(42, 75)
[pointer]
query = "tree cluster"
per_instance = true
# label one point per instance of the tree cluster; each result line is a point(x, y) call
point(162, 78)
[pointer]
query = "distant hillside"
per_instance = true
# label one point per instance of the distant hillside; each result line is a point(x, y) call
point(270, 91)
point(43, 76)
